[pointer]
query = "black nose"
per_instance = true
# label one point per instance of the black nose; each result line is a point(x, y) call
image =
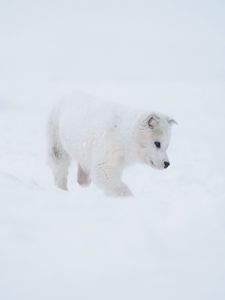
point(166, 164)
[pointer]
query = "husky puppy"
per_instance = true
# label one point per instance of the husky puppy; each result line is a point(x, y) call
point(103, 139)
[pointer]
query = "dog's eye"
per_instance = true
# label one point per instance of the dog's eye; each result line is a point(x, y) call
point(158, 145)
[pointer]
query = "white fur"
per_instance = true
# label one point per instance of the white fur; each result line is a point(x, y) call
point(103, 138)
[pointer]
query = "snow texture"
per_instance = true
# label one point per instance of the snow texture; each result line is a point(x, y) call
point(166, 243)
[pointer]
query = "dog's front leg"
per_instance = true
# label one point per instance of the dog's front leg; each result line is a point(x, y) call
point(108, 177)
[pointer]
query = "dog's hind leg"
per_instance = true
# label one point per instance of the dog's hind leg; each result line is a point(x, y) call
point(83, 177)
point(59, 166)
point(58, 158)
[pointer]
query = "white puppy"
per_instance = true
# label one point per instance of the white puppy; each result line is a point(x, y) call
point(104, 138)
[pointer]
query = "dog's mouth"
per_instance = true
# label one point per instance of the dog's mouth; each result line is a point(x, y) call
point(150, 162)
point(153, 165)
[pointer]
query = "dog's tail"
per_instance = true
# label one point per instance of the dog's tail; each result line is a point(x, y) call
point(54, 147)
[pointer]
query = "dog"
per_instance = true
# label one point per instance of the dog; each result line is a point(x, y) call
point(104, 138)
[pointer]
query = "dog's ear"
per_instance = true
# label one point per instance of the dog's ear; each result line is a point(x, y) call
point(153, 120)
point(172, 121)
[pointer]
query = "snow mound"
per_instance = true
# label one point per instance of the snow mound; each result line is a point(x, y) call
point(166, 243)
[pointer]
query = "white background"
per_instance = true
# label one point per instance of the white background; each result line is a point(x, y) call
point(166, 243)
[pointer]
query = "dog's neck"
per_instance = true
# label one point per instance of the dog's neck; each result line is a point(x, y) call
point(130, 140)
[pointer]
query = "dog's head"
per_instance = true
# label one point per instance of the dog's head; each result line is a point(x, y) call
point(154, 132)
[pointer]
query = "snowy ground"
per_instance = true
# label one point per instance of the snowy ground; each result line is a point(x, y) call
point(166, 243)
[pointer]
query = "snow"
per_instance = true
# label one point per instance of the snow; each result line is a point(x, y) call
point(166, 243)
